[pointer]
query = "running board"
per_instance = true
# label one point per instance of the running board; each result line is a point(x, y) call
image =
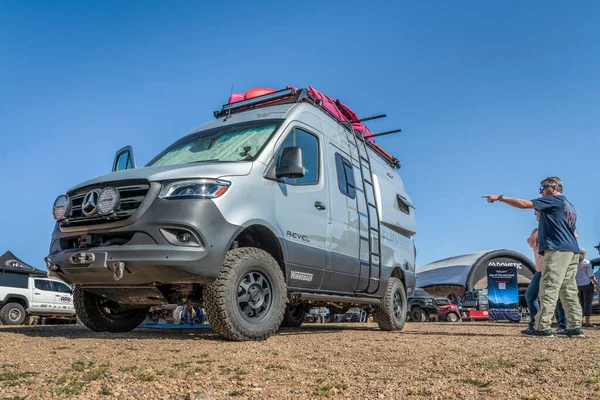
point(301, 297)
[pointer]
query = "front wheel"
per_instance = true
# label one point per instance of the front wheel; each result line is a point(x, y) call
point(102, 315)
point(391, 313)
point(247, 300)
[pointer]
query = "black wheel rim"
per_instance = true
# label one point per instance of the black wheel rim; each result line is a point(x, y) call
point(14, 315)
point(254, 296)
point(398, 306)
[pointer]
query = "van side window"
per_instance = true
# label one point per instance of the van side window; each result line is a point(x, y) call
point(310, 156)
point(404, 207)
point(43, 284)
point(345, 175)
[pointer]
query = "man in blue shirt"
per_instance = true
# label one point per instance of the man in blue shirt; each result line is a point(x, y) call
point(558, 245)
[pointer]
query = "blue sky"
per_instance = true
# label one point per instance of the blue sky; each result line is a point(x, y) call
point(491, 97)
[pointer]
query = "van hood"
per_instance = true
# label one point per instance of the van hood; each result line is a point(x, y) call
point(170, 172)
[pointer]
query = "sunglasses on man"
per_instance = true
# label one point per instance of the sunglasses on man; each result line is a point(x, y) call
point(544, 187)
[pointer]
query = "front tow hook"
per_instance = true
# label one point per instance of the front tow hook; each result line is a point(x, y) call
point(118, 269)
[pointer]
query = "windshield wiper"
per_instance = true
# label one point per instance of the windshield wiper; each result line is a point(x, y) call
point(203, 161)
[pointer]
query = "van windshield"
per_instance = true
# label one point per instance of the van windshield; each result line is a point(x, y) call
point(235, 142)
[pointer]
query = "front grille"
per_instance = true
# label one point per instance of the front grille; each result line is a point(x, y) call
point(132, 194)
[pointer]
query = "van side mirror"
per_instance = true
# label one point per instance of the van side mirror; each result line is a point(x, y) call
point(290, 164)
point(124, 159)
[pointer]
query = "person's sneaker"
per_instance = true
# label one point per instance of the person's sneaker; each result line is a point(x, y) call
point(576, 333)
point(533, 333)
point(528, 332)
point(589, 325)
point(561, 332)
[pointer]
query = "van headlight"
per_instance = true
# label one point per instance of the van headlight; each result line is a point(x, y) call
point(194, 189)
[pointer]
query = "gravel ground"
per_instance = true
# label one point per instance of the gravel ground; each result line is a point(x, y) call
point(470, 360)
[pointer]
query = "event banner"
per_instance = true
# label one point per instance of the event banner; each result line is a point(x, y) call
point(503, 293)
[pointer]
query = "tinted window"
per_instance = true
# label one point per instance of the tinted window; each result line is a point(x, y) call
point(310, 156)
point(405, 208)
point(61, 287)
point(43, 284)
point(11, 279)
point(345, 175)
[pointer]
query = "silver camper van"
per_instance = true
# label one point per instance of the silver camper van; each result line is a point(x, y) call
point(273, 207)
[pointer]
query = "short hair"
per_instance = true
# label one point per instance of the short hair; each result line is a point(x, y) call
point(553, 181)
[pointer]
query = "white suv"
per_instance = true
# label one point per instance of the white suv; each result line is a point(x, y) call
point(22, 295)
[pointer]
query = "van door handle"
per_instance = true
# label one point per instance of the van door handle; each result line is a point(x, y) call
point(320, 206)
point(37, 293)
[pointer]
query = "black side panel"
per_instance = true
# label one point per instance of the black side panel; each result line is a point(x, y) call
point(342, 274)
point(305, 266)
point(303, 277)
point(300, 254)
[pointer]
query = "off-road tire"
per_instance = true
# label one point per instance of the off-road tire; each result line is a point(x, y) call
point(294, 315)
point(417, 314)
point(12, 314)
point(391, 313)
point(92, 311)
point(452, 317)
point(223, 304)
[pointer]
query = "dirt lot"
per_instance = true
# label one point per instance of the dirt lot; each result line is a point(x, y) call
point(470, 360)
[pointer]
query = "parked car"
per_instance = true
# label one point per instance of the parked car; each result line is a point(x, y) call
point(277, 202)
point(23, 295)
point(352, 316)
point(424, 306)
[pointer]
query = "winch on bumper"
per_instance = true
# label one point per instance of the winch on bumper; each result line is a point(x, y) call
point(163, 242)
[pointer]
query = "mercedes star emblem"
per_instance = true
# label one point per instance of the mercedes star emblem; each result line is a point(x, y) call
point(90, 203)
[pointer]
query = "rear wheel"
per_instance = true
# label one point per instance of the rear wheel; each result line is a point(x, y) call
point(391, 313)
point(294, 315)
point(247, 301)
point(102, 315)
point(12, 314)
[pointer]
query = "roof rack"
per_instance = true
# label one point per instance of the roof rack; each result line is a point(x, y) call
point(293, 95)
point(289, 95)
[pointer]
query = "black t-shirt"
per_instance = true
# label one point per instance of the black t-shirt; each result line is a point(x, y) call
point(558, 220)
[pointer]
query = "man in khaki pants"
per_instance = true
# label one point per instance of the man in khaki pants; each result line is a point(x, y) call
point(558, 245)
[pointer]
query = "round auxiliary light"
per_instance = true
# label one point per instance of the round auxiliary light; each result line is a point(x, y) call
point(108, 201)
point(60, 209)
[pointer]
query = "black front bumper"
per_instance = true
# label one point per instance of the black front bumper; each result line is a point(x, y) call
point(151, 254)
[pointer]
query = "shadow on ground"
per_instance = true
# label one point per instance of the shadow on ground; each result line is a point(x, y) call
point(204, 333)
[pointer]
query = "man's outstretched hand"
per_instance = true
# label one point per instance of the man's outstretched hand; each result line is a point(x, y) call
point(491, 197)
